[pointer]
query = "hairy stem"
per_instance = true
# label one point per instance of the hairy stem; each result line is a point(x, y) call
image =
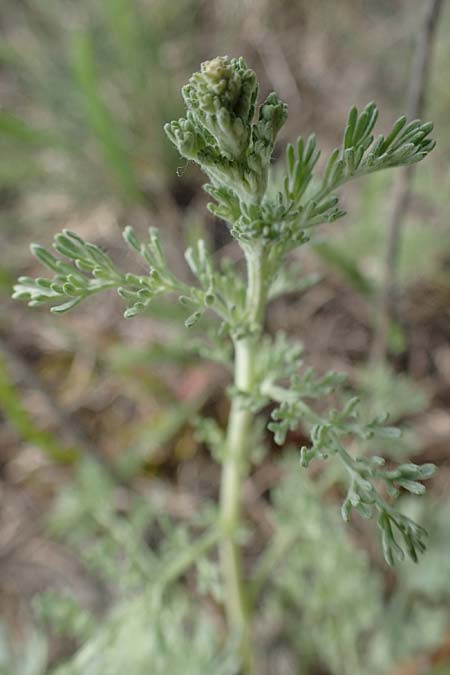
point(235, 464)
point(236, 602)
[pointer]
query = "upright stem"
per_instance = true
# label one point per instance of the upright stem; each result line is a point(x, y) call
point(236, 602)
point(235, 463)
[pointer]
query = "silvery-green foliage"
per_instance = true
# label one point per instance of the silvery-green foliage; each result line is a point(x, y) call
point(85, 515)
point(384, 389)
point(321, 578)
point(329, 433)
point(416, 616)
point(324, 593)
point(232, 140)
point(152, 620)
point(115, 548)
point(148, 633)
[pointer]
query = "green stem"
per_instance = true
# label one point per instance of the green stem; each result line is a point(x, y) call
point(192, 553)
point(236, 460)
point(274, 554)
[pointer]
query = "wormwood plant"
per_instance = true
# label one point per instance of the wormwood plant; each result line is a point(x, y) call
point(233, 145)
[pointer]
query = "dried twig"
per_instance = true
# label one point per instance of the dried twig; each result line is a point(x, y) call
point(418, 82)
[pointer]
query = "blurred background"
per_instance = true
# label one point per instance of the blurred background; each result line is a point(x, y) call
point(96, 439)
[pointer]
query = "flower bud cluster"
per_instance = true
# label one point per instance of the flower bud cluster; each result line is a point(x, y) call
point(219, 132)
point(221, 97)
